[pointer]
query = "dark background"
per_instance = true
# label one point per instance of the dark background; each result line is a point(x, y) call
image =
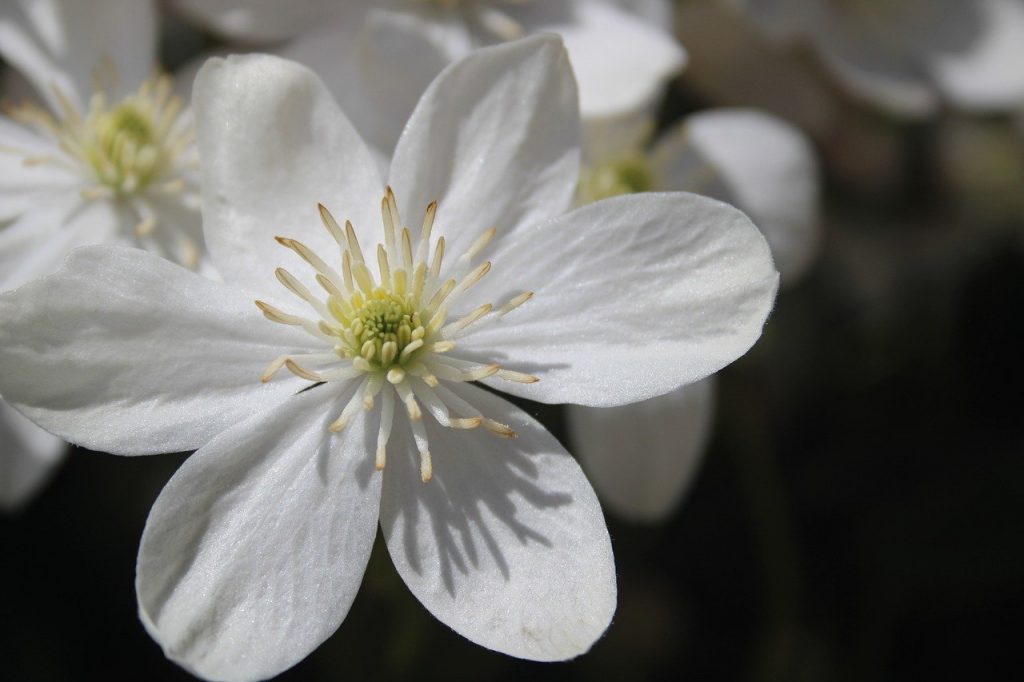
point(858, 515)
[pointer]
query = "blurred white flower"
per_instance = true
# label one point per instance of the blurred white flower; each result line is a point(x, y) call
point(255, 549)
point(377, 63)
point(755, 161)
point(641, 458)
point(105, 155)
point(28, 457)
point(110, 157)
point(908, 55)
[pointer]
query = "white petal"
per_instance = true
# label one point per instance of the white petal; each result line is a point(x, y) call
point(397, 60)
point(267, 20)
point(771, 172)
point(621, 62)
point(22, 185)
point(255, 549)
point(495, 140)
point(634, 296)
point(643, 457)
point(60, 42)
point(28, 456)
point(37, 242)
point(507, 544)
point(124, 352)
point(987, 74)
point(274, 144)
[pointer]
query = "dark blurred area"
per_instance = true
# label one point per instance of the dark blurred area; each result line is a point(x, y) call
point(858, 515)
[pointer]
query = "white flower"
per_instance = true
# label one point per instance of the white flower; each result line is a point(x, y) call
point(765, 167)
point(108, 158)
point(378, 63)
point(907, 55)
point(753, 160)
point(255, 549)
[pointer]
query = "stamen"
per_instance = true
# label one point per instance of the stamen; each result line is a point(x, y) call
point(518, 377)
point(462, 323)
point(514, 303)
point(300, 371)
point(387, 410)
point(273, 368)
point(332, 225)
point(407, 396)
point(279, 316)
point(307, 255)
point(350, 409)
point(353, 243)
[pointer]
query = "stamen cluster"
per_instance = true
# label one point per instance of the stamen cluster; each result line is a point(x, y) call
point(391, 330)
point(124, 147)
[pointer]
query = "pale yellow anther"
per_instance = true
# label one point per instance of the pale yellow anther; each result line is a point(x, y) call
point(275, 315)
point(353, 243)
point(332, 225)
point(411, 348)
point(426, 466)
point(273, 368)
point(499, 429)
point(388, 352)
point(514, 303)
point(396, 375)
point(518, 377)
point(481, 372)
point(300, 371)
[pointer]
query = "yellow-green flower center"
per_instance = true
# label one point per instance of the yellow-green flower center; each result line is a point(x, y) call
point(384, 329)
point(125, 147)
point(390, 330)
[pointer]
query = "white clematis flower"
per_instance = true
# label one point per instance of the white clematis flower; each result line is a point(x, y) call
point(110, 157)
point(255, 549)
point(377, 63)
point(105, 156)
point(908, 55)
point(643, 457)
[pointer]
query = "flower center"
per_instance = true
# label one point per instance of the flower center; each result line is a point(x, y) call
point(125, 147)
point(624, 175)
point(391, 331)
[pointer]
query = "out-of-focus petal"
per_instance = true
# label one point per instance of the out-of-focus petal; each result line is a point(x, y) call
point(27, 457)
point(60, 43)
point(643, 457)
point(769, 170)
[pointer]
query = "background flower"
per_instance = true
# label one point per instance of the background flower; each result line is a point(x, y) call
point(105, 155)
